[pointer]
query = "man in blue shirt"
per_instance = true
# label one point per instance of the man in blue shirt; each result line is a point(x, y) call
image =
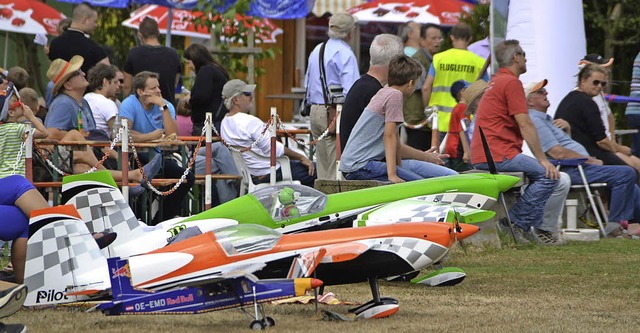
point(150, 118)
point(624, 205)
point(341, 69)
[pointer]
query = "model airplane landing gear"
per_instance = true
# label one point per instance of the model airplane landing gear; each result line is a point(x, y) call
point(258, 311)
point(377, 307)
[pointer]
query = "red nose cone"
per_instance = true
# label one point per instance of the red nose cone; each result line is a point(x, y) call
point(315, 283)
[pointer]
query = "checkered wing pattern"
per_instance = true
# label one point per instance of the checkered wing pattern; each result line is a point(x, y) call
point(470, 200)
point(418, 253)
point(62, 254)
point(414, 210)
point(104, 208)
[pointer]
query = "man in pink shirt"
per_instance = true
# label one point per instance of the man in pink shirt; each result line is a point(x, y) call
point(503, 116)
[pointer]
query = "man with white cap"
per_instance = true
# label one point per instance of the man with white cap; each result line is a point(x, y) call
point(239, 128)
point(339, 68)
point(621, 179)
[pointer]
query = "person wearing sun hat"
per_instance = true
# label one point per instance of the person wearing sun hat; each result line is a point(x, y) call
point(70, 119)
point(239, 128)
point(341, 69)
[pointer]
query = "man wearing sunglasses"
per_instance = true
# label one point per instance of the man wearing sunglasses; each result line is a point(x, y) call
point(503, 117)
point(620, 179)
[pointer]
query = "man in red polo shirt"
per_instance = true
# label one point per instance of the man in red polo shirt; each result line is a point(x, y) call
point(503, 116)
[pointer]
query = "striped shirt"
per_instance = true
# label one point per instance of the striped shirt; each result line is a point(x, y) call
point(11, 135)
point(634, 108)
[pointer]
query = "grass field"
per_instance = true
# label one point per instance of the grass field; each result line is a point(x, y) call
point(580, 287)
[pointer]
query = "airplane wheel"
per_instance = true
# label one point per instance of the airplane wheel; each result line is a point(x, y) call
point(257, 325)
point(268, 322)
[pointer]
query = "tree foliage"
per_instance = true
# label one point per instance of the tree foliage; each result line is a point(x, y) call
point(611, 28)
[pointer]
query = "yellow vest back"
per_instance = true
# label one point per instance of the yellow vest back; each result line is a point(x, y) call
point(450, 66)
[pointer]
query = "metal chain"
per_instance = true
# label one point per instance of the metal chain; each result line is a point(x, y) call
point(23, 146)
point(313, 142)
point(430, 112)
point(93, 169)
point(253, 144)
point(184, 174)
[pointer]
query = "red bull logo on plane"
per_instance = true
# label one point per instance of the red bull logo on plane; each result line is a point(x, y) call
point(120, 272)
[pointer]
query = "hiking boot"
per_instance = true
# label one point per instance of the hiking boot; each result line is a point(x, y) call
point(547, 237)
point(11, 300)
point(505, 230)
point(12, 328)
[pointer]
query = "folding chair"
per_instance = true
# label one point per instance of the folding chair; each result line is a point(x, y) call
point(591, 189)
point(247, 185)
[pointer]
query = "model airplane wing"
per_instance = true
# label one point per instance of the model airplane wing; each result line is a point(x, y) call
point(421, 210)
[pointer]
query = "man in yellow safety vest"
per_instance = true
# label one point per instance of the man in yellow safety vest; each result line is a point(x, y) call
point(448, 67)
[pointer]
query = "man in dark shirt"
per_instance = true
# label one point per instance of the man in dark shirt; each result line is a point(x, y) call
point(383, 48)
point(153, 57)
point(76, 40)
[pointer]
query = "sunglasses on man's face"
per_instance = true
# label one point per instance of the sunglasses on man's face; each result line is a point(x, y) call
point(247, 93)
point(598, 82)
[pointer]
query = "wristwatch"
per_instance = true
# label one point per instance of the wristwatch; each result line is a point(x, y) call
point(164, 107)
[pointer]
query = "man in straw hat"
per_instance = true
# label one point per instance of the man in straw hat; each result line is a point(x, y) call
point(503, 116)
point(341, 69)
point(620, 179)
point(70, 119)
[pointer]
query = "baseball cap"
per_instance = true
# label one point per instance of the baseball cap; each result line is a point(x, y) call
point(341, 22)
point(457, 86)
point(597, 59)
point(531, 87)
point(235, 86)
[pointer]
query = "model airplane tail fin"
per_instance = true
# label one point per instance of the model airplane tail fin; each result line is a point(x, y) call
point(102, 207)
point(120, 278)
point(306, 263)
point(64, 263)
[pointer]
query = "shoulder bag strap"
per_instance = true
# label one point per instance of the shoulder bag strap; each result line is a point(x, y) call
point(323, 75)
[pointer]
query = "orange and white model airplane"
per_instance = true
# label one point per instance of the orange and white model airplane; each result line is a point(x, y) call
point(338, 256)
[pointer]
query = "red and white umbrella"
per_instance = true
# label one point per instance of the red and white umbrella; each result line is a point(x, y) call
point(28, 17)
point(443, 12)
point(182, 23)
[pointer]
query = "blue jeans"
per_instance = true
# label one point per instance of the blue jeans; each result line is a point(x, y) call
point(634, 122)
point(221, 163)
point(410, 170)
point(621, 180)
point(528, 210)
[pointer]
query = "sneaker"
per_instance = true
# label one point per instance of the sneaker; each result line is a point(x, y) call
point(12, 328)
point(11, 300)
point(504, 228)
point(546, 237)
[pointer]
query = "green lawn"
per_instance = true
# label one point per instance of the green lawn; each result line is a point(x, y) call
point(580, 287)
